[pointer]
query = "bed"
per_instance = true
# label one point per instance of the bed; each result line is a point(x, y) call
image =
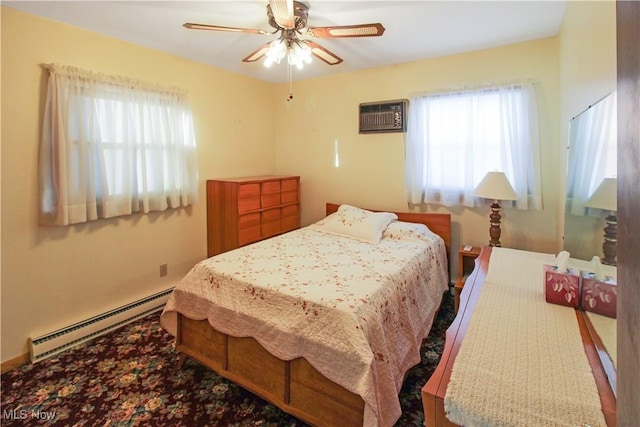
point(323, 325)
point(557, 402)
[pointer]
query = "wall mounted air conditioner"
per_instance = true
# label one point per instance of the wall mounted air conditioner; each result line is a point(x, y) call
point(387, 116)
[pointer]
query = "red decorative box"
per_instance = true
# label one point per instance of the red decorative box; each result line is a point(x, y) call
point(599, 296)
point(561, 288)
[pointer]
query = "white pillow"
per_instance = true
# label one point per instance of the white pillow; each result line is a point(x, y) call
point(408, 231)
point(359, 224)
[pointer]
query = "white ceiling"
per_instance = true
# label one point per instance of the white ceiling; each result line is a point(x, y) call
point(414, 29)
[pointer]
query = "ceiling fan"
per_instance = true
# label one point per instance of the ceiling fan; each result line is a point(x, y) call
point(289, 18)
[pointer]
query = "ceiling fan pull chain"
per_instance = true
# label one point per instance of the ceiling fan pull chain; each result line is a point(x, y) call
point(290, 78)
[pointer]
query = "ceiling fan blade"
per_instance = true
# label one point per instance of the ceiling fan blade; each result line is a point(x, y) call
point(193, 26)
point(257, 54)
point(282, 11)
point(361, 30)
point(322, 53)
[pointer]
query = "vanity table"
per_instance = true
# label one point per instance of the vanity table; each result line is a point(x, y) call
point(599, 406)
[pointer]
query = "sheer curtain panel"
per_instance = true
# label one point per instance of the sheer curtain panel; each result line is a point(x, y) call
point(455, 138)
point(592, 153)
point(113, 146)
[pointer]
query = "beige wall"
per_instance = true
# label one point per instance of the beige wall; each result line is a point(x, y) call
point(573, 69)
point(371, 172)
point(53, 276)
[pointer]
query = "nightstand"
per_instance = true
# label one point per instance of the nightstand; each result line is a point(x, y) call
point(466, 263)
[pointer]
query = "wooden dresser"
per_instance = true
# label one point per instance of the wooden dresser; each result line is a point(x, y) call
point(245, 210)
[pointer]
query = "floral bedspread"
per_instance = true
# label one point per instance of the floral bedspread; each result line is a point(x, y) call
point(356, 311)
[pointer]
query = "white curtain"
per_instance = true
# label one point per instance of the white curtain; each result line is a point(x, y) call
point(592, 153)
point(455, 138)
point(113, 146)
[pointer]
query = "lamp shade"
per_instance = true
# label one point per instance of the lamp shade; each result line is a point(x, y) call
point(496, 186)
point(605, 196)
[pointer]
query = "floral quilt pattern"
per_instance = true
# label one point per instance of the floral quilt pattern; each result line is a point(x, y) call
point(327, 298)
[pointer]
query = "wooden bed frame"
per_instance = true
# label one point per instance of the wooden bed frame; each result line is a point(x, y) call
point(294, 386)
point(434, 391)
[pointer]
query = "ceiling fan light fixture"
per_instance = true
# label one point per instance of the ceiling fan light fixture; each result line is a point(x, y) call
point(276, 51)
point(289, 19)
point(299, 54)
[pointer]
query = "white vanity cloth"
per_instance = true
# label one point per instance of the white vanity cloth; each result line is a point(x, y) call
point(522, 362)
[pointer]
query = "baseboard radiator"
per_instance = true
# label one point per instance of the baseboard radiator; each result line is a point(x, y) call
point(55, 342)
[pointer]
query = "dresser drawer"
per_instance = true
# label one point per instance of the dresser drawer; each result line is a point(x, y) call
point(292, 210)
point(270, 229)
point(248, 220)
point(272, 199)
point(289, 190)
point(249, 190)
point(290, 185)
point(247, 204)
point(290, 217)
point(249, 228)
point(270, 215)
point(271, 222)
point(270, 187)
point(289, 196)
point(249, 235)
point(248, 197)
point(290, 223)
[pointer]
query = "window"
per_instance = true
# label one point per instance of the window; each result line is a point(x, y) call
point(112, 146)
point(455, 138)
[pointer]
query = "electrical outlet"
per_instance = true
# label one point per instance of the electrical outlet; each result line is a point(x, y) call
point(164, 270)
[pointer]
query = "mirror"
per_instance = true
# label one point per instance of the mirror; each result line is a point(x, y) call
point(591, 169)
point(590, 222)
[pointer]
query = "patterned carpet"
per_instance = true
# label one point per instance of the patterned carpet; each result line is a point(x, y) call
point(129, 378)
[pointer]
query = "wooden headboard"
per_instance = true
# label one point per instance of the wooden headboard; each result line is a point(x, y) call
point(439, 223)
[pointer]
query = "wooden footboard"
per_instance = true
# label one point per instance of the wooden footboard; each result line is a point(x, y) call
point(294, 386)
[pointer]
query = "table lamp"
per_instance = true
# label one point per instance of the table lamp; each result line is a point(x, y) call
point(496, 186)
point(606, 197)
